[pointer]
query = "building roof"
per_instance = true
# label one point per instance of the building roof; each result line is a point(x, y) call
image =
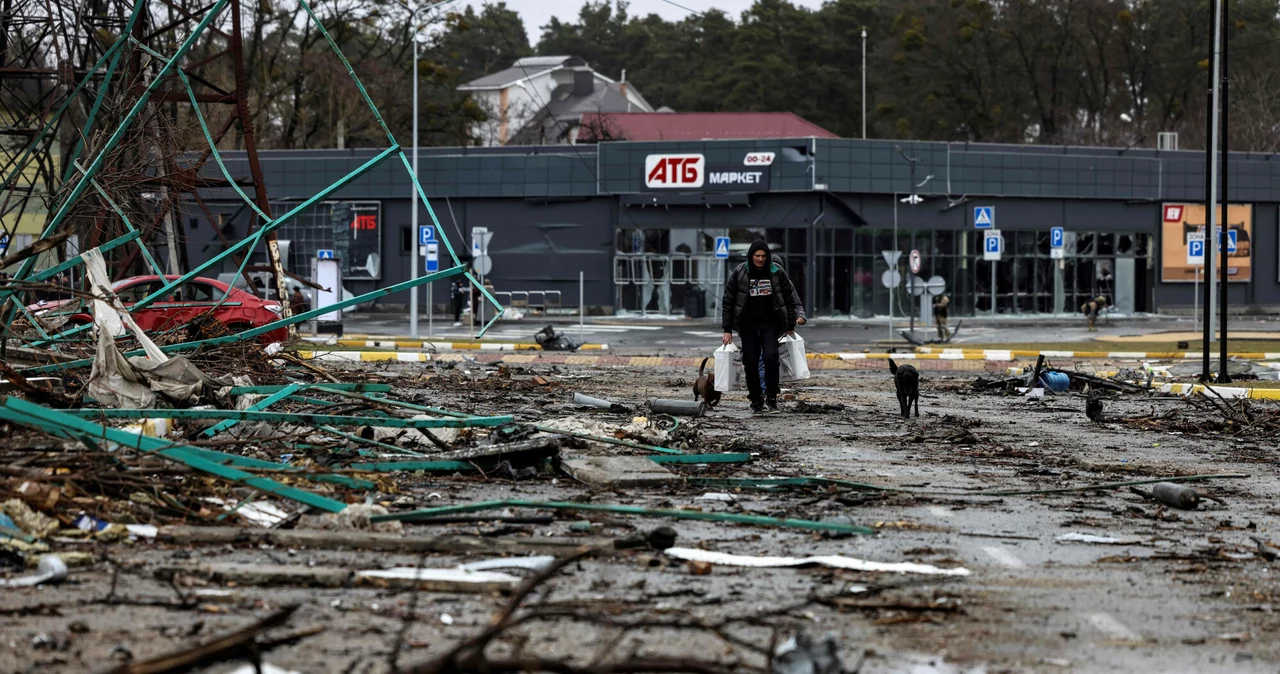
point(652, 126)
point(522, 69)
point(564, 109)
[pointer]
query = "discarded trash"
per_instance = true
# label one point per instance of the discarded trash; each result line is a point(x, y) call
point(440, 580)
point(1058, 382)
point(600, 404)
point(267, 668)
point(834, 561)
point(801, 654)
point(1075, 537)
point(717, 496)
point(687, 408)
point(28, 520)
point(550, 340)
point(536, 563)
point(1176, 495)
point(50, 570)
point(357, 517)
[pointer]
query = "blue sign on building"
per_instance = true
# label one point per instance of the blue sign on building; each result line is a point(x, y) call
point(984, 217)
point(722, 247)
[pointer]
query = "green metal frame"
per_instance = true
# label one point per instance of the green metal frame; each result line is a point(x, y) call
point(292, 418)
point(256, 407)
point(758, 520)
point(22, 412)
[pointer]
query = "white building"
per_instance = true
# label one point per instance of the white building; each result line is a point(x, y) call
point(540, 100)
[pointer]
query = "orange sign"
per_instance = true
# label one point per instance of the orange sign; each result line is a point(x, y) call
point(1179, 221)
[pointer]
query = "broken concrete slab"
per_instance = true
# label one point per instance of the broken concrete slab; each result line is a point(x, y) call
point(616, 471)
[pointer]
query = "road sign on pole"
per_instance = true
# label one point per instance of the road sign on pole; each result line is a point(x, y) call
point(433, 257)
point(992, 246)
point(324, 254)
point(1195, 250)
point(891, 257)
point(722, 247)
point(915, 262)
point(426, 234)
point(1231, 241)
point(984, 217)
point(1057, 237)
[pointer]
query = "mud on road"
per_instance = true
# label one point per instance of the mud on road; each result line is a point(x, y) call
point(1091, 580)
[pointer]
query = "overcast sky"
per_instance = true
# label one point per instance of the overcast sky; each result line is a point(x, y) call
point(537, 13)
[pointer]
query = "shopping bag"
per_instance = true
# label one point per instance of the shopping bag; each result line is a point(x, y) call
point(792, 364)
point(728, 368)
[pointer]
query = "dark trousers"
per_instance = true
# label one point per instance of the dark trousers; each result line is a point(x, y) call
point(760, 341)
point(457, 306)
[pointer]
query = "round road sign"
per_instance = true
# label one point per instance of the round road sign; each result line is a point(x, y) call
point(915, 262)
point(891, 278)
point(916, 285)
point(483, 265)
point(936, 285)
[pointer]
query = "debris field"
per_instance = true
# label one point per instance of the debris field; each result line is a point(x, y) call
point(470, 516)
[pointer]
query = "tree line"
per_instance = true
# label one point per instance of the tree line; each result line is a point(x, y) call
point(1084, 72)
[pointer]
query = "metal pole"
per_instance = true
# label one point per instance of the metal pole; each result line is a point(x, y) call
point(413, 195)
point(1196, 295)
point(582, 306)
point(431, 314)
point(895, 262)
point(993, 288)
point(1223, 376)
point(864, 84)
point(1211, 191)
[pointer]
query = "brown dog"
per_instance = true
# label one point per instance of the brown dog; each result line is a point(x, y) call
point(705, 386)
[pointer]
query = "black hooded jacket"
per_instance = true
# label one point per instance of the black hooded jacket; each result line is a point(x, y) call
point(737, 292)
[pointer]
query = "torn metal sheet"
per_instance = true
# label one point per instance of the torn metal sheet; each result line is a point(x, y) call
point(833, 561)
point(440, 580)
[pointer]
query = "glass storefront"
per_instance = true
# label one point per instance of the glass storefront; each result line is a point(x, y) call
point(656, 268)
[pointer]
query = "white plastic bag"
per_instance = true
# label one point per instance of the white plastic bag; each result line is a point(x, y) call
point(792, 364)
point(728, 368)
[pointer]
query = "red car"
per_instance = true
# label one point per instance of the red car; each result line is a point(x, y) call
point(241, 311)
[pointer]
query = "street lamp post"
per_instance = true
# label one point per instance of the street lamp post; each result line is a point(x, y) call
point(913, 200)
point(414, 8)
point(864, 84)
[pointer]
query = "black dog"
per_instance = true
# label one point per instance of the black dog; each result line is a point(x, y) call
point(705, 386)
point(907, 380)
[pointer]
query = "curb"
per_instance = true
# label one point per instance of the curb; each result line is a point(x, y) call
point(406, 343)
point(1224, 391)
point(817, 361)
point(1005, 354)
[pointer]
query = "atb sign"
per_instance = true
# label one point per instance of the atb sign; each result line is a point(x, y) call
point(1057, 242)
point(984, 217)
point(679, 171)
point(432, 257)
point(992, 245)
point(1195, 249)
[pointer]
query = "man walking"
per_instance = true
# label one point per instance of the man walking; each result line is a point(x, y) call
point(759, 304)
point(458, 295)
point(1092, 309)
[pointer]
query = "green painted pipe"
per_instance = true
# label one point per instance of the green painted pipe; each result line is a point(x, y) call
point(256, 407)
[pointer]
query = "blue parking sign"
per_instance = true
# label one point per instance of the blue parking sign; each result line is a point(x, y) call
point(1057, 237)
point(426, 234)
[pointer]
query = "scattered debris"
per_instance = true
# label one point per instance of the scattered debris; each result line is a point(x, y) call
point(834, 561)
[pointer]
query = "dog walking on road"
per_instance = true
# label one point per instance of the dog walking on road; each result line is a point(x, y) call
point(907, 380)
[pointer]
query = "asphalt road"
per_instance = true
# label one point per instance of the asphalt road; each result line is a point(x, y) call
point(639, 335)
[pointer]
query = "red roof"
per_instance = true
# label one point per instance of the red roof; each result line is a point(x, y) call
point(651, 126)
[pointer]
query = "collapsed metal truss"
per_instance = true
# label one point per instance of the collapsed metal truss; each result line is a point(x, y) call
point(116, 150)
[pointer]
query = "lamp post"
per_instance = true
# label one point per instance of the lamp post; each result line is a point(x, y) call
point(864, 84)
point(414, 8)
point(913, 199)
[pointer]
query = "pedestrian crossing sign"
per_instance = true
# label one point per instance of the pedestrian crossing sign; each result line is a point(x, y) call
point(984, 217)
point(722, 247)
